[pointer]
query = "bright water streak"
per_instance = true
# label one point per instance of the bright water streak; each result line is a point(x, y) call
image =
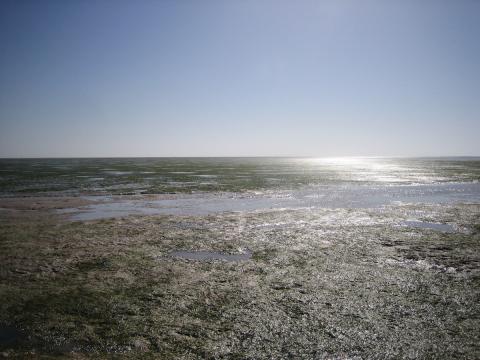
point(331, 196)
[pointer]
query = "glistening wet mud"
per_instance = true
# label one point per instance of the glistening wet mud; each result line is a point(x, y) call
point(320, 283)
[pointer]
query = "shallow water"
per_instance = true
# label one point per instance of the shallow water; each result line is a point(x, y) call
point(430, 225)
point(331, 196)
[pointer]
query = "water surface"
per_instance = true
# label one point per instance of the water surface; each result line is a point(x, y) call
point(430, 225)
point(331, 196)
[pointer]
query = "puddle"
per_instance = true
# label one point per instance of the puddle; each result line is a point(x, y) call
point(211, 255)
point(429, 225)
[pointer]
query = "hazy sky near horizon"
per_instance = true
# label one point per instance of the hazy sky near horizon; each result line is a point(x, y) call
point(239, 78)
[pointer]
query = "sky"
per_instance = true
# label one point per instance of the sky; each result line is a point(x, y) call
point(239, 78)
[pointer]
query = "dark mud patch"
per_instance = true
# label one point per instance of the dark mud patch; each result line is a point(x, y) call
point(210, 255)
point(430, 225)
point(10, 336)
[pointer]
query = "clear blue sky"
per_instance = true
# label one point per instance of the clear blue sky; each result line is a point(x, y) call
point(250, 77)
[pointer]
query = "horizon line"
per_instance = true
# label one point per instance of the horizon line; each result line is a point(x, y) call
point(239, 157)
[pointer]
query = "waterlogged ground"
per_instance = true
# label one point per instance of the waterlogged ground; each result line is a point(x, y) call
point(55, 177)
point(384, 266)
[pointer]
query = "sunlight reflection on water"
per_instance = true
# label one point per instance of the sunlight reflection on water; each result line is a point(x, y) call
point(374, 170)
point(333, 197)
point(162, 175)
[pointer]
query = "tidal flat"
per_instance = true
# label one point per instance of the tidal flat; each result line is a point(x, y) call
point(286, 277)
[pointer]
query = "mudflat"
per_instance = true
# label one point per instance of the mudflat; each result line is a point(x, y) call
point(261, 275)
